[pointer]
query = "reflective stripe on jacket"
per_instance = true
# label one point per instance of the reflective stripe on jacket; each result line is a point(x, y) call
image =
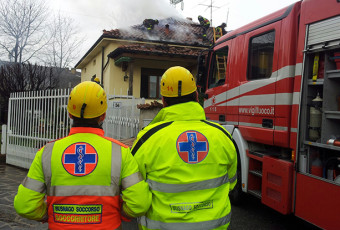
point(82, 176)
point(190, 166)
point(204, 22)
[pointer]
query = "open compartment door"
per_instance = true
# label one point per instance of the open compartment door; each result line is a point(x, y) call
point(277, 180)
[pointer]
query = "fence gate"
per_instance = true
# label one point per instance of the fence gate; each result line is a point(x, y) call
point(35, 118)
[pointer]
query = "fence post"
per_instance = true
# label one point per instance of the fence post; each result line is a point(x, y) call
point(4, 139)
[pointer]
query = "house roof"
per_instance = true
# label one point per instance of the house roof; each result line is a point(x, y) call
point(151, 49)
point(170, 30)
point(169, 37)
point(147, 106)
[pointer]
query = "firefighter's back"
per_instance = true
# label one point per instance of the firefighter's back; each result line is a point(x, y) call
point(190, 167)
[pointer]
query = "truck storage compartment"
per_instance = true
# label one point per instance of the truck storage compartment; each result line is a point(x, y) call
point(320, 133)
point(277, 184)
point(318, 178)
point(317, 201)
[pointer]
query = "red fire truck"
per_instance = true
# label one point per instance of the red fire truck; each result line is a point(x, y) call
point(274, 84)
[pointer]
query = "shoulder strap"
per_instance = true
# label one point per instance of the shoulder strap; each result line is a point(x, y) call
point(147, 135)
point(218, 127)
point(225, 132)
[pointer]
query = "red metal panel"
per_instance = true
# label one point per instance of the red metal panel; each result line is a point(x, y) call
point(232, 111)
point(293, 140)
point(281, 138)
point(257, 158)
point(277, 180)
point(257, 23)
point(318, 202)
point(313, 11)
point(259, 135)
point(289, 33)
point(237, 70)
point(281, 132)
point(283, 111)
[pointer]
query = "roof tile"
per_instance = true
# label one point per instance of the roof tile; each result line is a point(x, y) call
point(179, 31)
point(162, 49)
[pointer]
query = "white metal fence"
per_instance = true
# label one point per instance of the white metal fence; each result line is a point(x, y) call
point(122, 117)
point(34, 118)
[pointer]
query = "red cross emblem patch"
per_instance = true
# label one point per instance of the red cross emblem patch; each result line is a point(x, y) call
point(192, 147)
point(80, 159)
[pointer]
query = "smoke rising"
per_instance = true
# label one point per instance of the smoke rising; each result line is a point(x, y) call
point(131, 12)
point(123, 13)
point(93, 17)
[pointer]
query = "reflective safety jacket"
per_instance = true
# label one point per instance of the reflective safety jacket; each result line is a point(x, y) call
point(204, 22)
point(220, 29)
point(190, 165)
point(149, 23)
point(82, 176)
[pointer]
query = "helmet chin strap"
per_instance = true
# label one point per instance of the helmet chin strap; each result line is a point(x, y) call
point(179, 88)
point(82, 110)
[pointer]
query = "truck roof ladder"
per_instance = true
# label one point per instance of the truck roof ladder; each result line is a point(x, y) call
point(220, 60)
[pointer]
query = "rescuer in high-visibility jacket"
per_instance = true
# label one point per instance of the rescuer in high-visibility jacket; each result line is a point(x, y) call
point(189, 163)
point(84, 174)
point(150, 23)
point(221, 29)
point(205, 24)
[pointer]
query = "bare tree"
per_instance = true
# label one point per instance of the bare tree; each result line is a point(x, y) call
point(19, 77)
point(65, 44)
point(22, 28)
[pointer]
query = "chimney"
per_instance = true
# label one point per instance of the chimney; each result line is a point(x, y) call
point(167, 30)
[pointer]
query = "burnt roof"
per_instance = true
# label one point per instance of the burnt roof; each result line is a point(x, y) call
point(182, 31)
point(179, 32)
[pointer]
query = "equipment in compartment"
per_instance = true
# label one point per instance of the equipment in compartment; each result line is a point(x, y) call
point(316, 67)
point(334, 142)
point(303, 163)
point(336, 59)
point(332, 168)
point(315, 118)
point(337, 179)
point(316, 165)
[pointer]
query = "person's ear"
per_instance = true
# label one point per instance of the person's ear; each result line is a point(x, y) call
point(102, 117)
point(197, 96)
point(164, 103)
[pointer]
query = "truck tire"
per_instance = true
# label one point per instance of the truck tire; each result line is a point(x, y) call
point(236, 195)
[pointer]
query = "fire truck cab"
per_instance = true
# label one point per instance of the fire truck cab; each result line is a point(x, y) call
point(274, 84)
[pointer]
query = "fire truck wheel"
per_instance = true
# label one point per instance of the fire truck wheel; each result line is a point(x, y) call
point(236, 194)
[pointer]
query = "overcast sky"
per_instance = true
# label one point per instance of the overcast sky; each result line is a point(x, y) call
point(92, 16)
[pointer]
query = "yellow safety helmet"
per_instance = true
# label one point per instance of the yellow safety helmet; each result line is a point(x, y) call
point(96, 80)
point(87, 100)
point(177, 81)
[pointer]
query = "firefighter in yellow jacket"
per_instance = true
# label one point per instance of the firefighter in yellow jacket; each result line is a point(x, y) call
point(83, 174)
point(189, 163)
point(205, 24)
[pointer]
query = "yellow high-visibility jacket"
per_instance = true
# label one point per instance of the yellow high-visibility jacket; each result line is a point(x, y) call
point(83, 175)
point(190, 165)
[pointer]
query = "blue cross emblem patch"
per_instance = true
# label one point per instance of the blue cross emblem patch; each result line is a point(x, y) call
point(80, 159)
point(192, 147)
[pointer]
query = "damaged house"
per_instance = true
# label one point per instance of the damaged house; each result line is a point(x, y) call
point(131, 61)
